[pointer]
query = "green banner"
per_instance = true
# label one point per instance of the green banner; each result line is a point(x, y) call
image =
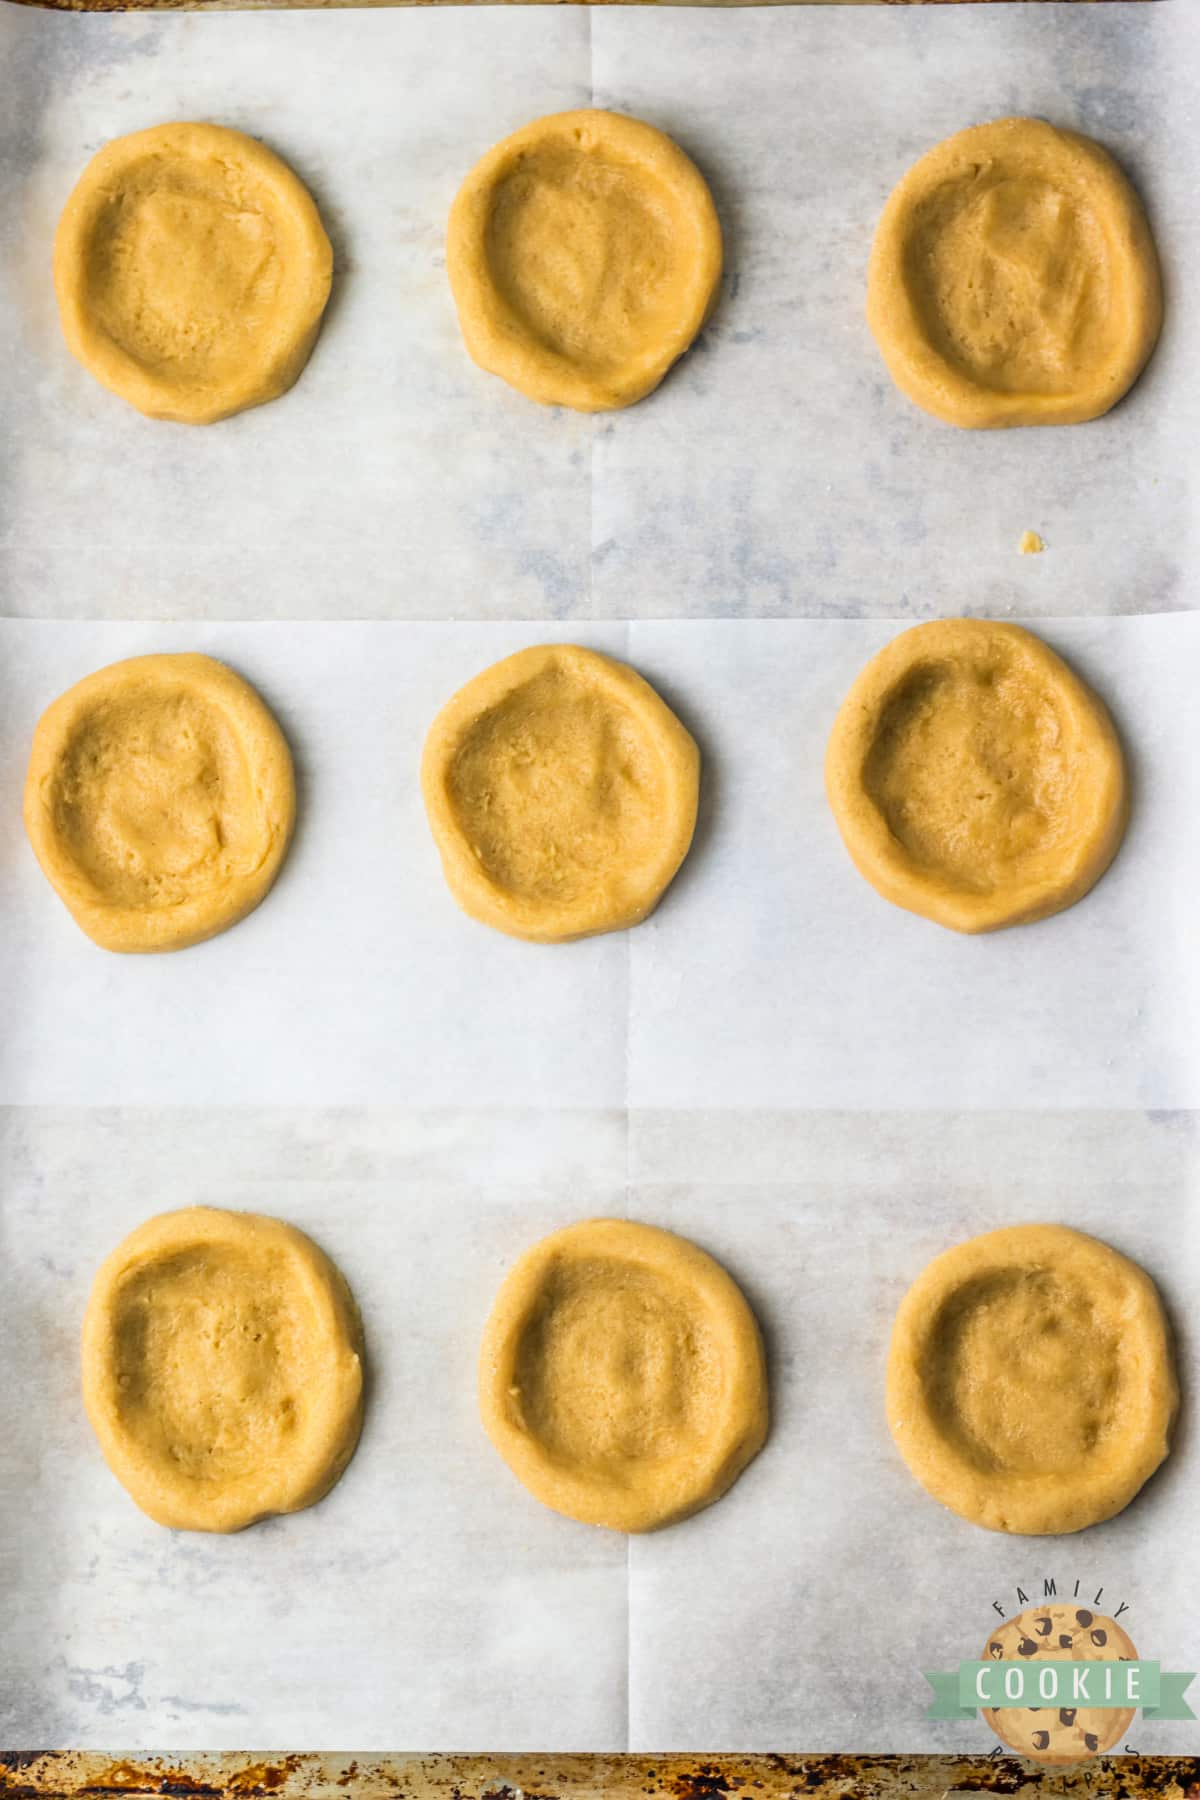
point(945, 1696)
point(1171, 1704)
point(959, 1693)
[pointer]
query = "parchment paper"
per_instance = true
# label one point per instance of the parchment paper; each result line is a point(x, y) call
point(430, 1602)
point(776, 472)
point(771, 976)
point(846, 1580)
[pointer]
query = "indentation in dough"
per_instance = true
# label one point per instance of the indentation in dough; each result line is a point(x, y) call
point(211, 1363)
point(555, 788)
point(154, 800)
point(971, 769)
point(1021, 1374)
point(182, 268)
point(1011, 277)
point(615, 1367)
point(587, 253)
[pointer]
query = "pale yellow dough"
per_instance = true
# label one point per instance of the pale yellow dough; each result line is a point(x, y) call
point(974, 778)
point(561, 794)
point(584, 255)
point(159, 801)
point(222, 1368)
point(192, 270)
point(621, 1376)
point(1013, 279)
point(1031, 1382)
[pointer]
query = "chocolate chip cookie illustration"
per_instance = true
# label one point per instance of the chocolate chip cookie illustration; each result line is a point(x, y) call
point(1062, 1632)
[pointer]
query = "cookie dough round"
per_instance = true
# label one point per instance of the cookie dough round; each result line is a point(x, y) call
point(584, 255)
point(974, 778)
point(191, 269)
point(159, 801)
point(561, 792)
point(1059, 1633)
point(1013, 279)
point(222, 1368)
point(1031, 1382)
point(622, 1376)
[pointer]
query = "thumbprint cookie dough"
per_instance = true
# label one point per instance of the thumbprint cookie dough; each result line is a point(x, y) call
point(159, 801)
point(1062, 1633)
point(584, 255)
point(1030, 1382)
point(1013, 279)
point(222, 1368)
point(974, 778)
point(192, 270)
point(561, 793)
point(621, 1376)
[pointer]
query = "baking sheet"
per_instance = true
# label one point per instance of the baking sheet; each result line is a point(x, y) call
point(776, 472)
point(772, 975)
point(485, 1091)
point(234, 1775)
point(429, 1601)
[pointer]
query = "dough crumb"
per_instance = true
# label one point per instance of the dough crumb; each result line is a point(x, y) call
point(1031, 544)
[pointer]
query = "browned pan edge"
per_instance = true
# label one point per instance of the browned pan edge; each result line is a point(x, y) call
point(292, 5)
point(89, 1775)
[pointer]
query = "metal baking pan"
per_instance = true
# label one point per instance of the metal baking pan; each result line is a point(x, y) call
point(70, 1775)
point(110, 6)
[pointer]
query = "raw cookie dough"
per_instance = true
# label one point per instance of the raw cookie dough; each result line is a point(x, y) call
point(561, 793)
point(584, 255)
point(1013, 279)
point(1031, 1382)
point(191, 269)
point(1059, 1633)
point(159, 801)
point(974, 778)
point(222, 1368)
point(621, 1376)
